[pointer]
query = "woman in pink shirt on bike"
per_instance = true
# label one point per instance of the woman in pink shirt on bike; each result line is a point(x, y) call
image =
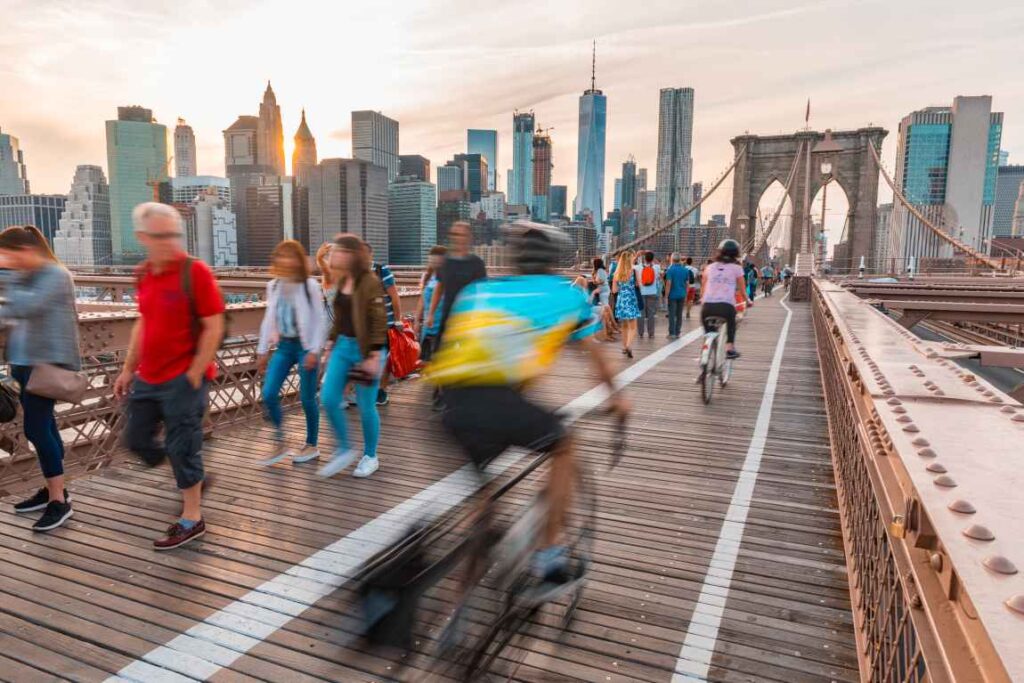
point(722, 285)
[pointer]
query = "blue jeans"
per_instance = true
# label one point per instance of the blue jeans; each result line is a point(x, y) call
point(290, 353)
point(344, 357)
point(40, 425)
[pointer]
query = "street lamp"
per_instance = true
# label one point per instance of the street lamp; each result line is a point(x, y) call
point(826, 171)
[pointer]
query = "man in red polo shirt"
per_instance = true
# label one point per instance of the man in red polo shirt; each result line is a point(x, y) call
point(170, 360)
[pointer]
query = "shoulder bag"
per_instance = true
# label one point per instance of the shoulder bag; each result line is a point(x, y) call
point(60, 384)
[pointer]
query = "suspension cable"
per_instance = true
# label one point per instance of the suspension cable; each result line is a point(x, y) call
point(675, 221)
point(957, 245)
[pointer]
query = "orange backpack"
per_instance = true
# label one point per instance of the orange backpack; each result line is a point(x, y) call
point(647, 276)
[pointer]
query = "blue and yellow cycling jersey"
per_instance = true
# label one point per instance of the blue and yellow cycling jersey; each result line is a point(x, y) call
point(507, 331)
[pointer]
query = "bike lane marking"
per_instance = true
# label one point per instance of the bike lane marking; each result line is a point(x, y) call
point(698, 648)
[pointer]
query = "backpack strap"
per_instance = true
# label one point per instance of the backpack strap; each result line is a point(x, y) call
point(186, 287)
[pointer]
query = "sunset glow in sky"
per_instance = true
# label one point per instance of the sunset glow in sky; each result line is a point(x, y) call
point(441, 66)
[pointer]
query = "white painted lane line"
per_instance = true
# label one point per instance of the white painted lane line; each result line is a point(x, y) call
point(229, 633)
point(702, 633)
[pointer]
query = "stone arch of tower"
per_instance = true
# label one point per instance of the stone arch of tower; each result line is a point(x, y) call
point(770, 158)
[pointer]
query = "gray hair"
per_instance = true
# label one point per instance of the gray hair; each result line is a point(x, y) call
point(675, 257)
point(147, 210)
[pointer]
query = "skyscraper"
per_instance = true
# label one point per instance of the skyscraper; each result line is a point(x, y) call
point(243, 171)
point(304, 160)
point(617, 202)
point(216, 236)
point(628, 199)
point(375, 139)
point(485, 142)
point(349, 195)
point(83, 232)
point(521, 180)
point(184, 150)
point(186, 189)
point(675, 143)
point(412, 216)
point(13, 175)
point(946, 165)
point(449, 177)
point(268, 209)
point(539, 208)
point(1018, 215)
point(473, 170)
point(270, 135)
point(557, 205)
point(136, 160)
point(41, 210)
point(304, 155)
point(590, 151)
point(415, 166)
point(1008, 183)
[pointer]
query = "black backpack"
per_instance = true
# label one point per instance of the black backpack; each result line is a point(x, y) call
point(8, 403)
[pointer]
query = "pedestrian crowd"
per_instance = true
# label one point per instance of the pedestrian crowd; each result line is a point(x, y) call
point(332, 326)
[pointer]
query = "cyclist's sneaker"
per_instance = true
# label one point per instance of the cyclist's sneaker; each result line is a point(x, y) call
point(367, 466)
point(551, 564)
point(56, 514)
point(306, 454)
point(732, 355)
point(339, 461)
point(38, 501)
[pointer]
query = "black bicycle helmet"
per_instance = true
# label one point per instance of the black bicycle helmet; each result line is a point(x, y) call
point(535, 247)
point(730, 248)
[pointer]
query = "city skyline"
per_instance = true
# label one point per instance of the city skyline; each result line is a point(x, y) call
point(436, 93)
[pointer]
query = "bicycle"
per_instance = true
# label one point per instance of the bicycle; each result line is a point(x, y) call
point(502, 598)
point(714, 362)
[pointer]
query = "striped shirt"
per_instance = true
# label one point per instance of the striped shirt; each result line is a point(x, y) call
point(387, 280)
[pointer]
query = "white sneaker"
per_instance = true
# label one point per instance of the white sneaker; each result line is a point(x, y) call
point(306, 454)
point(280, 454)
point(339, 461)
point(366, 467)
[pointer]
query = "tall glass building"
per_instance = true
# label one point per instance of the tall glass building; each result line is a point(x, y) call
point(485, 143)
point(13, 176)
point(136, 158)
point(675, 145)
point(590, 156)
point(947, 162)
point(83, 234)
point(1008, 184)
point(412, 216)
point(375, 139)
point(521, 183)
point(41, 210)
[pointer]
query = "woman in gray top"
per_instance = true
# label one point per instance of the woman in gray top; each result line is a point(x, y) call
point(39, 313)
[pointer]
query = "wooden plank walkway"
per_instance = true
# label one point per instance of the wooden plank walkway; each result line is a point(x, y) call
point(87, 601)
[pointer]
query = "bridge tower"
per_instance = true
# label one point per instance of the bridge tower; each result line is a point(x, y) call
point(770, 158)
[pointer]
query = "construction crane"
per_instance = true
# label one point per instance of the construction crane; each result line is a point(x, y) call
point(154, 181)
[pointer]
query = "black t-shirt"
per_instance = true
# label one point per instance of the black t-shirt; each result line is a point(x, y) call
point(455, 274)
point(343, 315)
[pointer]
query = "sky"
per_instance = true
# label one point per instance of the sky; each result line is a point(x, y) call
point(442, 66)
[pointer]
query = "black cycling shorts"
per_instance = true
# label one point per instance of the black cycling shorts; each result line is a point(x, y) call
point(488, 420)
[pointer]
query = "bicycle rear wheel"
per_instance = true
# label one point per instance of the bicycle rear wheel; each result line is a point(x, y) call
point(707, 375)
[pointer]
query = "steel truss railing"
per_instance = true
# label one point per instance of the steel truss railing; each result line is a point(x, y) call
point(907, 628)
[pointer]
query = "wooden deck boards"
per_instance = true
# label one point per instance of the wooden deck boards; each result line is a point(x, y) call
point(85, 601)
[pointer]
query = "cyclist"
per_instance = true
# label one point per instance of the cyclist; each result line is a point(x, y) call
point(787, 275)
point(724, 284)
point(767, 279)
point(501, 335)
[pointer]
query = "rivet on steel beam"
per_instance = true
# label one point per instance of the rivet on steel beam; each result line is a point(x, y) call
point(940, 392)
point(920, 442)
point(888, 392)
point(1008, 409)
point(1016, 603)
point(1019, 417)
point(899, 410)
point(962, 506)
point(979, 533)
point(995, 399)
point(937, 468)
point(1000, 564)
point(911, 428)
point(894, 402)
point(945, 481)
point(936, 561)
point(926, 453)
point(903, 418)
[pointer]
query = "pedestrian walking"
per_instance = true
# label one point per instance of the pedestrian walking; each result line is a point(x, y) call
point(294, 322)
point(648, 275)
point(461, 267)
point(677, 281)
point(357, 342)
point(393, 307)
point(43, 331)
point(627, 304)
point(170, 361)
point(428, 286)
point(693, 293)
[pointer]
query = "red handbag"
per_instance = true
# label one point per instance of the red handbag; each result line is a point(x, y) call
point(403, 351)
